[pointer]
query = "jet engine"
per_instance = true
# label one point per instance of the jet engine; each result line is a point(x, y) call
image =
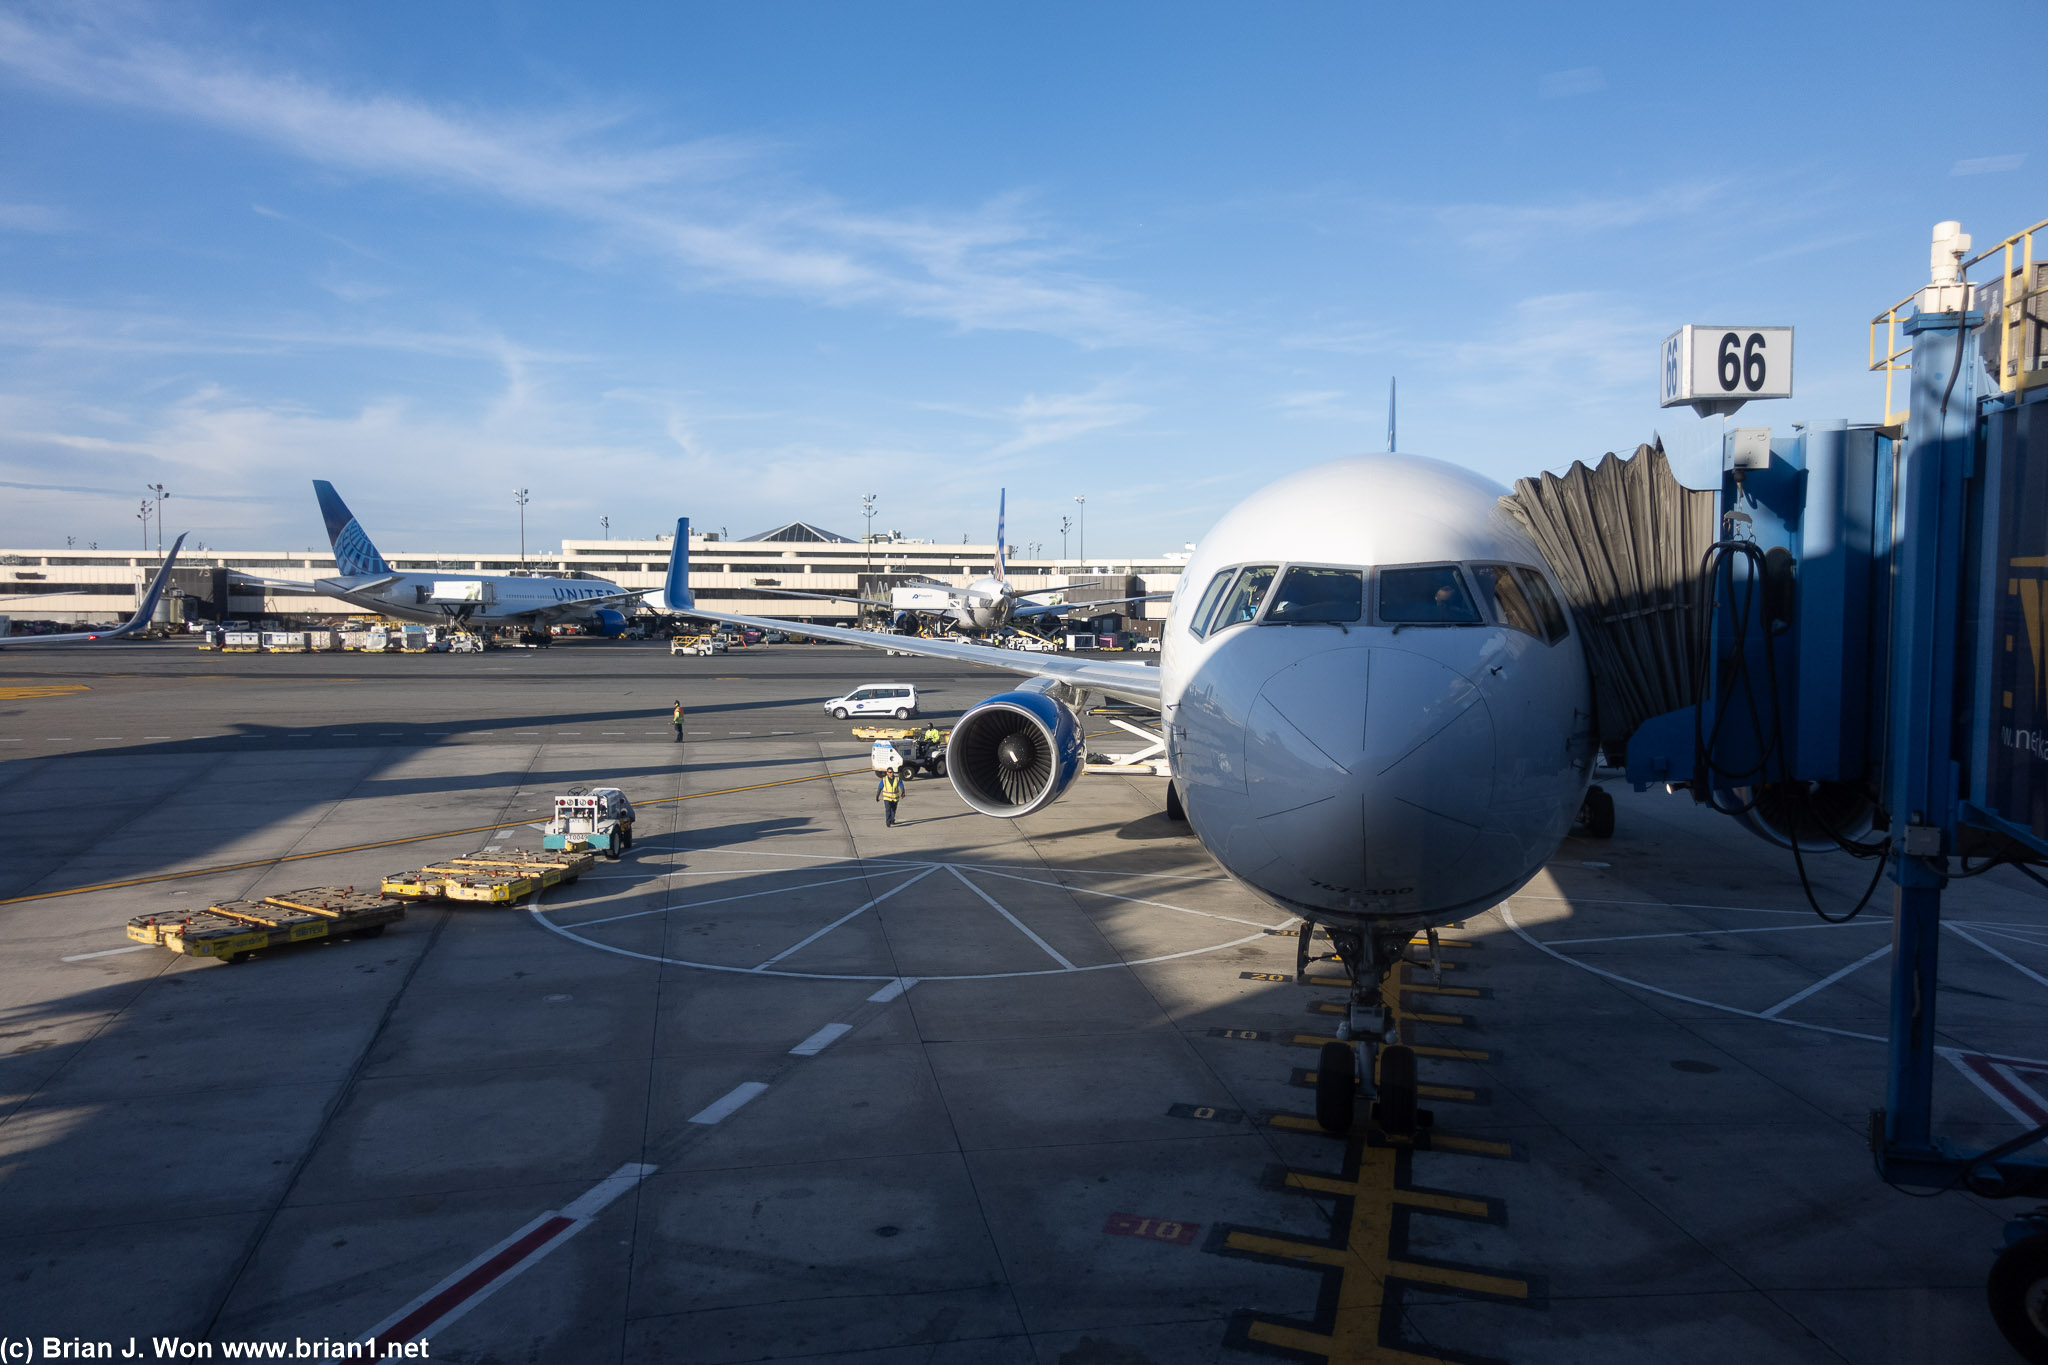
point(1015, 753)
point(1822, 816)
point(608, 623)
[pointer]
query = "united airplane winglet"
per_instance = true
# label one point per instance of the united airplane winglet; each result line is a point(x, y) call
point(139, 621)
point(677, 591)
point(1390, 414)
point(353, 552)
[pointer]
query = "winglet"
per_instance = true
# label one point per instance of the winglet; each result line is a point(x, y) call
point(677, 592)
point(1390, 414)
point(1002, 566)
point(140, 620)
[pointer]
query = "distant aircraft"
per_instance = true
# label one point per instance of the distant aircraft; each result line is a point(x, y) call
point(139, 621)
point(1376, 711)
point(367, 581)
point(988, 606)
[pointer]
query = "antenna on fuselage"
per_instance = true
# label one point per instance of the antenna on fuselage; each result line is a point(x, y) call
point(1390, 414)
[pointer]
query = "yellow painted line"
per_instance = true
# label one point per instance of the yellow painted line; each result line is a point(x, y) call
point(1451, 1054)
point(1298, 1040)
point(1421, 1199)
point(1468, 992)
point(386, 843)
point(1422, 1018)
point(1462, 1093)
point(1445, 943)
point(1442, 1142)
point(32, 693)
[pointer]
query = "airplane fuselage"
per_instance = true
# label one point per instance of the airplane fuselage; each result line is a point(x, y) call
point(498, 600)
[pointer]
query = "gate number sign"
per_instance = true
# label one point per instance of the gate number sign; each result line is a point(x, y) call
point(1725, 364)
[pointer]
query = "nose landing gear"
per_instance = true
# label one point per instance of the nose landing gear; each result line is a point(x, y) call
point(1369, 1058)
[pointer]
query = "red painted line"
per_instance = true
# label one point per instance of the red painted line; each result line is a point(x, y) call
point(2005, 1080)
point(477, 1280)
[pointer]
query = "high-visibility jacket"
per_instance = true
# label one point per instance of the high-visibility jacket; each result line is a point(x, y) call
point(892, 786)
point(677, 719)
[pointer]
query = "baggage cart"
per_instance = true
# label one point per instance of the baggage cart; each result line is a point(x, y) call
point(231, 930)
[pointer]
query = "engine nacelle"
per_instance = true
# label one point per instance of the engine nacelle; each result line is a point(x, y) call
point(1820, 815)
point(1015, 753)
point(608, 623)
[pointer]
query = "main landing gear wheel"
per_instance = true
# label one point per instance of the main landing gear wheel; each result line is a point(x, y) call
point(1596, 816)
point(1336, 1087)
point(1173, 807)
point(2018, 1290)
point(1395, 1113)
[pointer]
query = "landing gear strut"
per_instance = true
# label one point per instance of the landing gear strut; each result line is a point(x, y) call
point(1368, 1057)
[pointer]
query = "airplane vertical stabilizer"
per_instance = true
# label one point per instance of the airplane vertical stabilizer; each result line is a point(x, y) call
point(677, 590)
point(1002, 555)
point(1390, 415)
point(354, 555)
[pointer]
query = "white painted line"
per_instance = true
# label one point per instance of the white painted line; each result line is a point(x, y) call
point(1019, 924)
point(106, 952)
point(734, 1098)
point(469, 1286)
point(857, 910)
point(822, 1039)
point(1708, 933)
point(2002, 1083)
point(740, 732)
point(2022, 969)
point(492, 848)
point(156, 736)
point(110, 736)
point(1130, 900)
point(1830, 979)
point(750, 895)
point(507, 833)
point(611, 732)
point(892, 990)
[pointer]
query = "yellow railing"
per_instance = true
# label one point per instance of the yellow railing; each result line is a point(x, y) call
point(2015, 341)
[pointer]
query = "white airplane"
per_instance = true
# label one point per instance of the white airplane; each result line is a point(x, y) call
point(365, 580)
point(1376, 710)
point(139, 621)
point(989, 605)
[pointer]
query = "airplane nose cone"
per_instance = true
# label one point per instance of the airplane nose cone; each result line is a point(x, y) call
point(1367, 767)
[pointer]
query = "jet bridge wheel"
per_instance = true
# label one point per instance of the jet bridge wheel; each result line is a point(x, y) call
point(2018, 1290)
point(1336, 1087)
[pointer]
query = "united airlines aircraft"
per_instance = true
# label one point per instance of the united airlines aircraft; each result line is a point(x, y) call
point(1376, 709)
point(139, 621)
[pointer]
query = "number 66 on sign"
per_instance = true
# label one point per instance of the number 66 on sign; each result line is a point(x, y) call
point(1715, 370)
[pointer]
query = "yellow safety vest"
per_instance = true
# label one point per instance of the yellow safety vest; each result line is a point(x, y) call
point(678, 719)
point(892, 787)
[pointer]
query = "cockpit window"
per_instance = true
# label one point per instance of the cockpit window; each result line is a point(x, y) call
point(1307, 595)
point(1510, 604)
point(1545, 602)
point(1241, 603)
point(1198, 623)
point(1427, 596)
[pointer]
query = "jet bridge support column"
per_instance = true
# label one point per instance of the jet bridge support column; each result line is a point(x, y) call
point(1920, 784)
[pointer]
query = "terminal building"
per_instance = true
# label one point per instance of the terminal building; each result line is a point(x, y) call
point(72, 586)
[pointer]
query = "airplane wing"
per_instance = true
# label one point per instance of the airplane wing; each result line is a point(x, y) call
point(1125, 680)
point(825, 596)
point(1068, 608)
point(138, 621)
point(299, 587)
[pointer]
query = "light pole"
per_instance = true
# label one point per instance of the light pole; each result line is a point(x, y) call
point(867, 509)
point(143, 517)
point(606, 522)
point(1066, 525)
point(519, 496)
point(1081, 531)
point(158, 489)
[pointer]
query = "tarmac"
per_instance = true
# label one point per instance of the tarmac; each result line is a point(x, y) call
point(784, 1084)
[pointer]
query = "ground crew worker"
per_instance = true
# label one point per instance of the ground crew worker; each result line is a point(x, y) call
point(676, 719)
point(890, 792)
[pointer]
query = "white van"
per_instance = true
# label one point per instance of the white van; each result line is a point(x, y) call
point(876, 699)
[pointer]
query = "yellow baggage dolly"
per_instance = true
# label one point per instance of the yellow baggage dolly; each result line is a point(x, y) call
point(232, 930)
point(489, 878)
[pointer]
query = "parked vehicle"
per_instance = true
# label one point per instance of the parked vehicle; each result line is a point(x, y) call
point(876, 699)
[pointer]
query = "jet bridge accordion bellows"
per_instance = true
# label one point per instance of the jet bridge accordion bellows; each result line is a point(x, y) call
point(1625, 539)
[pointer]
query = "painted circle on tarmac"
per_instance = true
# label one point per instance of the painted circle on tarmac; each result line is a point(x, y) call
point(815, 918)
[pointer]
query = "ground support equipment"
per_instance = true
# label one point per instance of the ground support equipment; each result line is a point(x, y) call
point(232, 930)
point(489, 878)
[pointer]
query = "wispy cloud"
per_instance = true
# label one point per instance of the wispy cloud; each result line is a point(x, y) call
point(1506, 226)
point(1580, 80)
point(710, 205)
point(1988, 165)
point(32, 218)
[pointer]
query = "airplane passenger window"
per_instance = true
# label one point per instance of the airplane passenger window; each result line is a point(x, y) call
point(1434, 596)
point(1198, 624)
point(1546, 604)
point(1510, 604)
point(1242, 604)
point(1308, 595)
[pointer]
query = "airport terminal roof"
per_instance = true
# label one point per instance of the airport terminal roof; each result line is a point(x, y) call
point(802, 531)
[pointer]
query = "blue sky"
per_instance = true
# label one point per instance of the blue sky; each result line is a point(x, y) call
point(752, 261)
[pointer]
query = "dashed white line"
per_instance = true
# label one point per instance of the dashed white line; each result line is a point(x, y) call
point(822, 1039)
point(106, 952)
point(892, 990)
point(721, 1109)
point(156, 736)
point(611, 732)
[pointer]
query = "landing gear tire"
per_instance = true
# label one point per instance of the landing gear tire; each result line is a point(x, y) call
point(1336, 1087)
point(2018, 1290)
point(1174, 811)
point(1596, 816)
point(1396, 1112)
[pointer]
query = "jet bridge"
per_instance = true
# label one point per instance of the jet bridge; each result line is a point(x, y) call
point(1856, 639)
